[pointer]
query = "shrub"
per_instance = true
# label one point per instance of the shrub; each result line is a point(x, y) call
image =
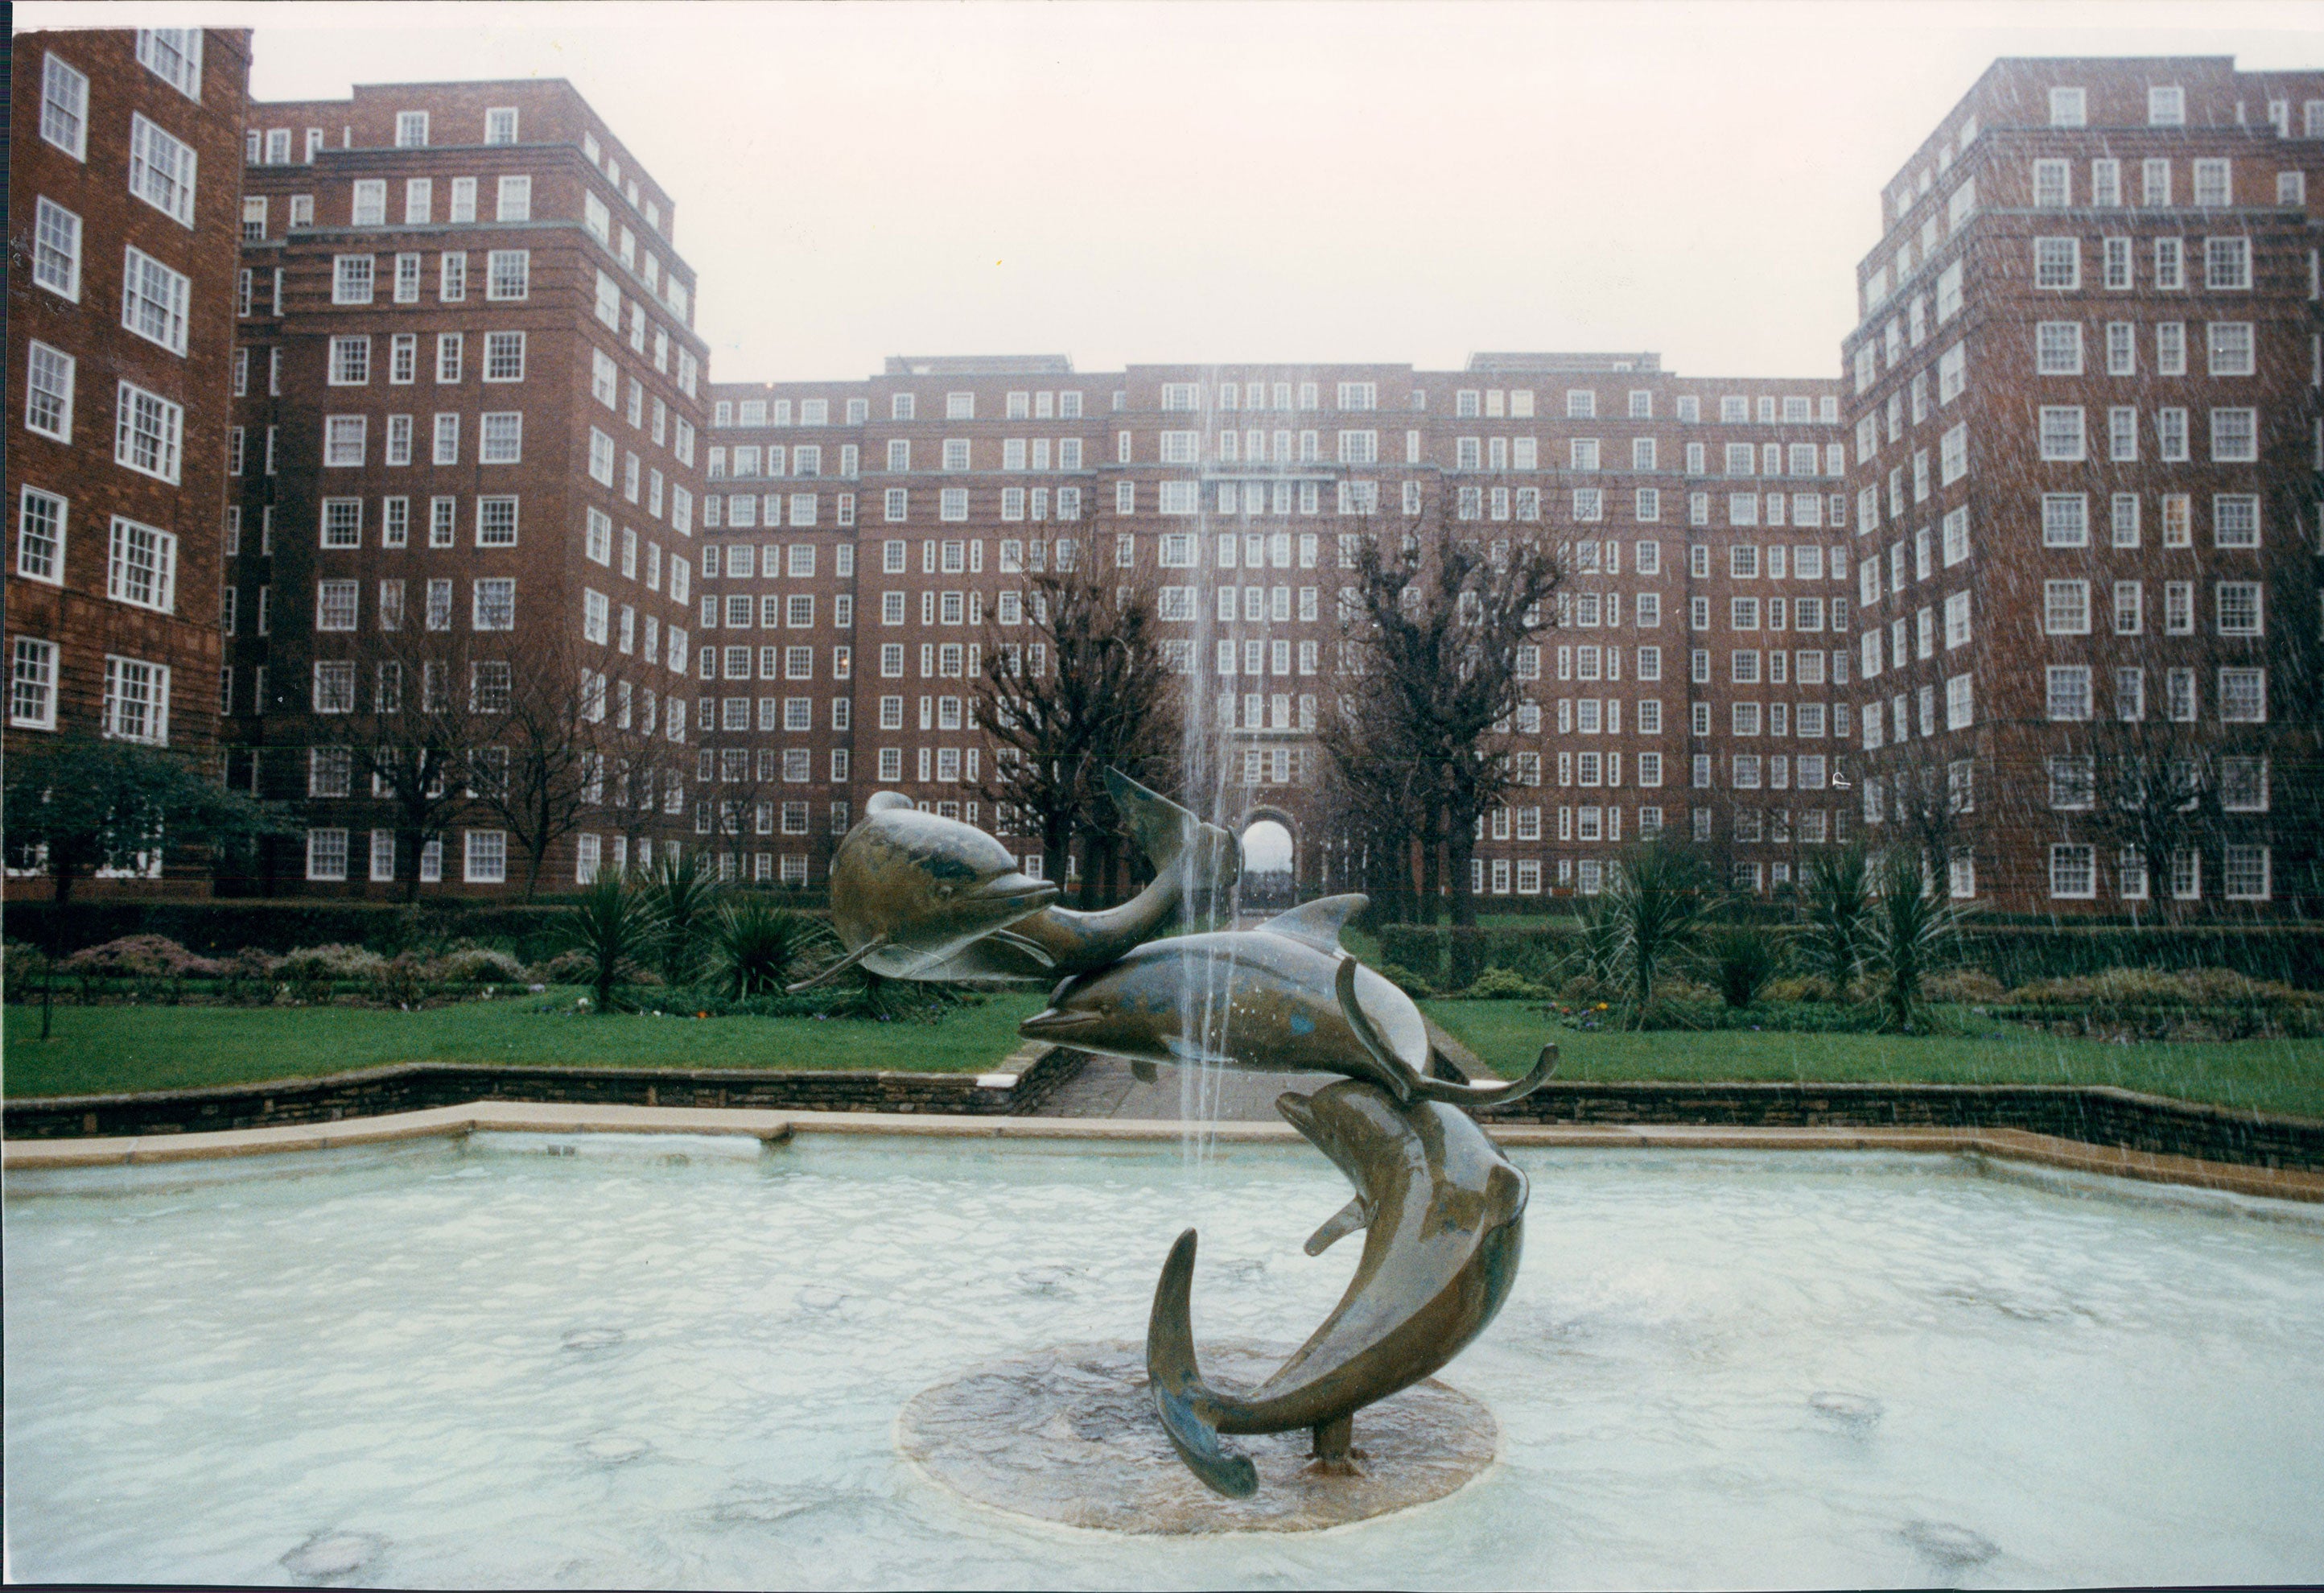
point(1499, 984)
point(478, 965)
point(1799, 987)
point(571, 966)
point(1914, 924)
point(616, 924)
point(250, 974)
point(1837, 915)
point(1970, 987)
point(144, 957)
point(1744, 958)
point(684, 896)
point(757, 949)
point(1658, 902)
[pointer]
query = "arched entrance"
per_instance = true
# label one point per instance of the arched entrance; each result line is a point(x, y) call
point(1271, 876)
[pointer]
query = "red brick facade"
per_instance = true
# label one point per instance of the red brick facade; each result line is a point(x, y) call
point(123, 181)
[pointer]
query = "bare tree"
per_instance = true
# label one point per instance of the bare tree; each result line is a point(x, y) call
point(543, 771)
point(644, 773)
point(1081, 685)
point(1441, 625)
point(403, 724)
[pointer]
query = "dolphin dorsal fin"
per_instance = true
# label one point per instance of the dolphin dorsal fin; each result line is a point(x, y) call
point(1319, 923)
point(1346, 1220)
point(886, 800)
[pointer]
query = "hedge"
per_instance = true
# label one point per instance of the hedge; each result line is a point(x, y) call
point(2015, 954)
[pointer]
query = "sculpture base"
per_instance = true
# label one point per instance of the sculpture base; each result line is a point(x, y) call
point(1069, 1435)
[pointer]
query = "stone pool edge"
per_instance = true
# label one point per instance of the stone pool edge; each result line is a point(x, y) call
point(773, 1126)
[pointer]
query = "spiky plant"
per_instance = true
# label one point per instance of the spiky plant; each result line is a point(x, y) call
point(685, 896)
point(1913, 924)
point(758, 948)
point(1745, 956)
point(1837, 916)
point(1658, 902)
point(617, 925)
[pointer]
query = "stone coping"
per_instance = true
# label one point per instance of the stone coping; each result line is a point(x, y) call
point(777, 1126)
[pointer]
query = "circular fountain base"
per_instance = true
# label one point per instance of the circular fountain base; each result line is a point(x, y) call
point(1069, 1435)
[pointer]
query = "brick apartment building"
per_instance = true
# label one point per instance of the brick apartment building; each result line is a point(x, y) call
point(123, 187)
point(462, 445)
point(2052, 518)
point(2085, 427)
point(887, 530)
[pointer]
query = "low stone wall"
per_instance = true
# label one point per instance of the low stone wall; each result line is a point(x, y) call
point(2093, 1114)
point(415, 1086)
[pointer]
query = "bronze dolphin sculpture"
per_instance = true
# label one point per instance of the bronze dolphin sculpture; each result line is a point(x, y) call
point(1444, 1218)
point(909, 890)
point(1194, 863)
point(1280, 998)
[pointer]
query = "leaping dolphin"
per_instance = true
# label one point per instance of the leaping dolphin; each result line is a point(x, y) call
point(1280, 998)
point(1444, 1218)
point(909, 890)
point(1194, 863)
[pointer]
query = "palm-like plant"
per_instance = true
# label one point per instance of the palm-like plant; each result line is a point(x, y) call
point(1745, 956)
point(1912, 923)
point(684, 898)
point(1597, 953)
point(617, 925)
point(1838, 914)
point(1659, 901)
point(760, 949)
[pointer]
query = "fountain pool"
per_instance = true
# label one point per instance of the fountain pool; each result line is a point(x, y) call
point(618, 1360)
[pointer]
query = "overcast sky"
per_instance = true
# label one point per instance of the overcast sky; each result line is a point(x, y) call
point(1154, 182)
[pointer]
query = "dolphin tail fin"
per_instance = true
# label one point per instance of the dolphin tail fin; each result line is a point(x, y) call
point(1169, 834)
point(1404, 1082)
point(1492, 1095)
point(1188, 1407)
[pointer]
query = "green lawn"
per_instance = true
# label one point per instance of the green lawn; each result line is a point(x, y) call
point(2265, 1075)
point(102, 1049)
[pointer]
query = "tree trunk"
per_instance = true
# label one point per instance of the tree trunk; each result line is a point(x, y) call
point(1431, 865)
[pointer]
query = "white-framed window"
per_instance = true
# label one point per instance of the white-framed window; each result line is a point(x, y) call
point(40, 536)
point(514, 199)
point(33, 684)
point(350, 362)
point(2058, 263)
point(2242, 697)
point(155, 301)
point(485, 861)
point(501, 438)
point(64, 107)
point(56, 249)
point(499, 125)
point(508, 275)
point(2057, 348)
point(504, 357)
point(2244, 873)
point(148, 434)
point(2066, 608)
point(2235, 435)
point(160, 171)
point(2073, 871)
point(2069, 692)
point(351, 278)
point(2230, 346)
point(142, 566)
point(2227, 264)
point(492, 605)
point(327, 854)
point(2061, 433)
point(48, 392)
point(136, 700)
point(174, 55)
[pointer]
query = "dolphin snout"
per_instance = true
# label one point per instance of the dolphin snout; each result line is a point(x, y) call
point(1017, 890)
point(1055, 1020)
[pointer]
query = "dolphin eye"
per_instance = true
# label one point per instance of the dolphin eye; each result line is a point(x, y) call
point(944, 893)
